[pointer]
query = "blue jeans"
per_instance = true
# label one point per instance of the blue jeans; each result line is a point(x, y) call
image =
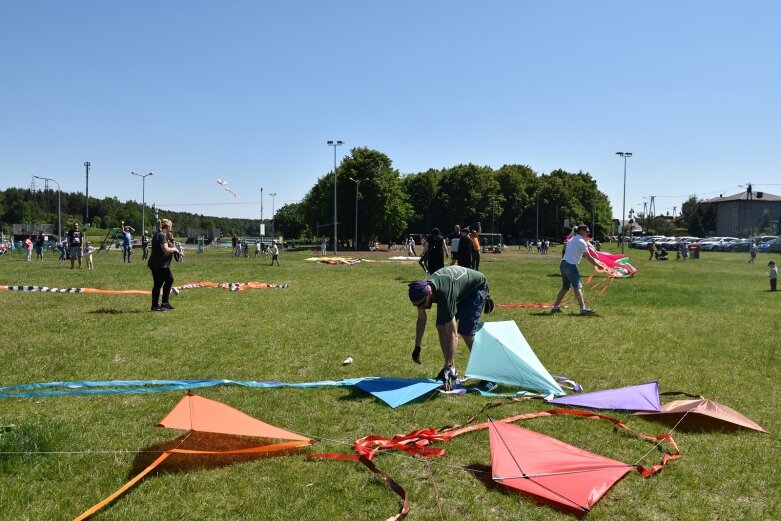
point(469, 310)
point(570, 277)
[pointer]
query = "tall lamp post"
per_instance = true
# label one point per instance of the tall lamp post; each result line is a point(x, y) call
point(537, 238)
point(623, 204)
point(143, 199)
point(87, 164)
point(59, 214)
point(273, 216)
point(332, 143)
point(357, 184)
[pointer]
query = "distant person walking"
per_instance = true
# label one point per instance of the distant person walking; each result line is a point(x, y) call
point(436, 251)
point(455, 240)
point(576, 248)
point(651, 249)
point(28, 248)
point(274, 252)
point(76, 244)
point(145, 246)
point(127, 242)
point(773, 275)
point(61, 247)
point(474, 235)
point(163, 252)
point(752, 252)
point(39, 242)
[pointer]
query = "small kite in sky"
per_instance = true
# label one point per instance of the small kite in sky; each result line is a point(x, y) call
point(224, 184)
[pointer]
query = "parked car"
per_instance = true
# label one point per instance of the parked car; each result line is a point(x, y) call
point(739, 245)
point(774, 246)
point(763, 246)
point(715, 243)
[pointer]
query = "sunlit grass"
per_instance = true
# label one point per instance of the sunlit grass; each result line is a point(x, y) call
point(706, 327)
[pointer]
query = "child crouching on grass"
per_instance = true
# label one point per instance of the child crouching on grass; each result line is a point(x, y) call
point(773, 275)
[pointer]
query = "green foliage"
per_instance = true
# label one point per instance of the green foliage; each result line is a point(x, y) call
point(383, 207)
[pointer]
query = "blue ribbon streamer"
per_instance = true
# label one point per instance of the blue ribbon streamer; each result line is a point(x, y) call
point(45, 389)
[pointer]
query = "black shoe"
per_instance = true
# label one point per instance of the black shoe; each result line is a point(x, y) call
point(487, 386)
point(166, 305)
point(416, 355)
point(158, 308)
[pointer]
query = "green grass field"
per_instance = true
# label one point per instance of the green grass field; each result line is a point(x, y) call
point(707, 326)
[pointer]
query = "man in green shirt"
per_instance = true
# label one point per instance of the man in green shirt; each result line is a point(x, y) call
point(460, 294)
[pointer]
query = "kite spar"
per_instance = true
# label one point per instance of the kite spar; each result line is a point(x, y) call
point(194, 413)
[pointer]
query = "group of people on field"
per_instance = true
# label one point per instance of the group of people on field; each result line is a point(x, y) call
point(462, 247)
point(461, 293)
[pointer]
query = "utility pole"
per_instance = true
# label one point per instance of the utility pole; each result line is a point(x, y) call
point(86, 198)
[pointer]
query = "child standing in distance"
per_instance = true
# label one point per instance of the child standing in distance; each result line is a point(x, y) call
point(773, 275)
point(90, 251)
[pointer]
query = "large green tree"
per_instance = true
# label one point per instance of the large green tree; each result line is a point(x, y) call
point(366, 179)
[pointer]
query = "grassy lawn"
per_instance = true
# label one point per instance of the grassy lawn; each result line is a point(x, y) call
point(707, 326)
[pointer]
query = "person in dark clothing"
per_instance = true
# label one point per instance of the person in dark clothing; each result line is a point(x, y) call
point(466, 250)
point(163, 251)
point(436, 251)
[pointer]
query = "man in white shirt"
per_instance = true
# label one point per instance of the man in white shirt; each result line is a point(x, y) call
point(574, 251)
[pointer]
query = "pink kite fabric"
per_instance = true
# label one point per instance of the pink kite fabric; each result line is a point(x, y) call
point(614, 264)
point(552, 471)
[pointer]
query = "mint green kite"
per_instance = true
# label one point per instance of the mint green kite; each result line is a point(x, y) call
point(501, 354)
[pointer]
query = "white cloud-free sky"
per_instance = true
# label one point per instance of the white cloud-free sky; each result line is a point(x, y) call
point(249, 91)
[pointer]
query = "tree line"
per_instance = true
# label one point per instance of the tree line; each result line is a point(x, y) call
point(512, 200)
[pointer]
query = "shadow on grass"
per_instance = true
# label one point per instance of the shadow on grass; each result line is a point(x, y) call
point(354, 393)
point(695, 423)
point(201, 441)
point(110, 311)
point(482, 473)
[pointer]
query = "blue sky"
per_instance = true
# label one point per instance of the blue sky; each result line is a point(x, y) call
point(250, 91)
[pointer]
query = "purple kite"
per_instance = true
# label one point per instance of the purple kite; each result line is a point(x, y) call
point(635, 398)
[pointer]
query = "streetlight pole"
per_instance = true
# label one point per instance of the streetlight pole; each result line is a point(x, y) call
point(263, 233)
point(623, 204)
point(59, 214)
point(357, 183)
point(143, 200)
point(273, 215)
point(537, 238)
point(332, 143)
point(87, 164)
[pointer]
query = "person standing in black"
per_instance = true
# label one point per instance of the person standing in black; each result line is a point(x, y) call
point(163, 252)
point(466, 250)
point(75, 244)
point(40, 241)
point(436, 251)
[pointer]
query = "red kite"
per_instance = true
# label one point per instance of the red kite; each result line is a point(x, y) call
point(702, 413)
point(552, 471)
point(197, 414)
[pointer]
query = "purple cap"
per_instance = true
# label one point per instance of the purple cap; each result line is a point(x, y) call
point(418, 290)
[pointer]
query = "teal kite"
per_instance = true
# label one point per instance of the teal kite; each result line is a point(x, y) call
point(501, 354)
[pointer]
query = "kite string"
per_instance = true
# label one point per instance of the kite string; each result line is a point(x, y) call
point(659, 443)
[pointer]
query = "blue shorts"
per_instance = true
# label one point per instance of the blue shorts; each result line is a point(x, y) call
point(570, 276)
point(469, 310)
